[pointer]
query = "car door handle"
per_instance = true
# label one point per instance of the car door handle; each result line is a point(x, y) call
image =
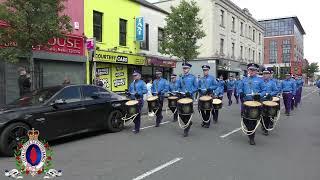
point(40, 119)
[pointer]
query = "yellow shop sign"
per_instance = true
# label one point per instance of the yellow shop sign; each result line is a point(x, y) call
point(121, 58)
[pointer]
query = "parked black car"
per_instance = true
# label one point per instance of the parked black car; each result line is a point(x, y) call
point(60, 111)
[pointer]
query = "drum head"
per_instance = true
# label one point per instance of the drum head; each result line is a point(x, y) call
point(270, 103)
point(132, 102)
point(216, 101)
point(173, 97)
point(252, 103)
point(185, 101)
point(152, 98)
point(275, 99)
point(205, 98)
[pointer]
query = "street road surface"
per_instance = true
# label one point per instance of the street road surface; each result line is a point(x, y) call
point(222, 152)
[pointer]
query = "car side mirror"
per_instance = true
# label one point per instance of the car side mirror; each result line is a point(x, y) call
point(58, 102)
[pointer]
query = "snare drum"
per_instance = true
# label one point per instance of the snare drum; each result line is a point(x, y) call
point(153, 103)
point(185, 106)
point(252, 110)
point(270, 109)
point(277, 100)
point(132, 107)
point(217, 104)
point(172, 101)
point(205, 103)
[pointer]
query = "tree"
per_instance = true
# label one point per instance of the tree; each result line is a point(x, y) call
point(183, 30)
point(310, 69)
point(30, 23)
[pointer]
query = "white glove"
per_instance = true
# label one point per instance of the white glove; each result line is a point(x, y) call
point(293, 98)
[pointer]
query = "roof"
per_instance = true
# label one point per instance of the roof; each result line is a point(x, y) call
point(295, 18)
point(150, 5)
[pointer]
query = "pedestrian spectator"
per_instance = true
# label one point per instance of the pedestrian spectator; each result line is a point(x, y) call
point(98, 81)
point(66, 81)
point(24, 82)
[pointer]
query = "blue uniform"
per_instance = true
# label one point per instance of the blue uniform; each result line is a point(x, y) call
point(271, 87)
point(207, 83)
point(236, 94)
point(220, 90)
point(159, 88)
point(231, 84)
point(250, 86)
point(173, 87)
point(288, 88)
point(208, 86)
point(299, 90)
point(137, 89)
point(318, 83)
point(188, 84)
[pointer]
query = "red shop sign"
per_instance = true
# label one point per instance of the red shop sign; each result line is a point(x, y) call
point(69, 45)
point(72, 45)
point(161, 62)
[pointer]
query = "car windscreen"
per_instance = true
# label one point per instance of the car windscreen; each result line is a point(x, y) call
point(36, 97)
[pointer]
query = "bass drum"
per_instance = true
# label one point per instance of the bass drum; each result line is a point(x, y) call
point(205, 103)
point(217, 104)
point(270, 109)
point(252, 110)
point(153, 103)
point(172, 101)
point(277, 100)
point(132, 107)
point(185, 106)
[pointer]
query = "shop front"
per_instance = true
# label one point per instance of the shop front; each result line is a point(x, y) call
point(226, 68)
point(62, 58)
point(115, 69)
point(154, 63)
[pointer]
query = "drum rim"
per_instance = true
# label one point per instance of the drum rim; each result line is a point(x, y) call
point(173, 97)
point(155, 98)
point(220, 102)
point(275, 105)
point(245, 103)
point(136, 102)
point(275, 99)
point(179, 101)
point(210, 98)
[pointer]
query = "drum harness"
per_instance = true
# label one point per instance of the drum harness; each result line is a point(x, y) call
point(133, 117)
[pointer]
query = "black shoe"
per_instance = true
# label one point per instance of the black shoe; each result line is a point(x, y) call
point(136, 131)
point(266, 133)
point(175, 120)
point(202, 124)
point(185, 134)
point(252, 142)
point(287, 114)
point(206, 126)
point(157, 125)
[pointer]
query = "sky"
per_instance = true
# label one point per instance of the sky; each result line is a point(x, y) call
point(307, 11)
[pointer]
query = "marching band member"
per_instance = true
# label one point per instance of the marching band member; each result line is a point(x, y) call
point(251, 88)
point(207, 86)
point(173, 90)
point(230, 88)
point(136, 91)
point(221, 84)
point(187, 86)
point(299, 82)
point(271, 90)
point(288, 88)
point(293, 96)
point(159, 87)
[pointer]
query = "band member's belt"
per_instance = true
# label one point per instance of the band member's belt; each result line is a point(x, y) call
point(287, 92)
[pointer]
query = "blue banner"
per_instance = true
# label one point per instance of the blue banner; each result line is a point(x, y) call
point(139, 29)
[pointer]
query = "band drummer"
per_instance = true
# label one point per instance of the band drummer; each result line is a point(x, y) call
point(288, 89)
point(187, 88)
point(230, 88)
point(251, 88)
point(136, 91)
point(173, 91)
point(271, 90)
point(207, 87)
point(160, 86)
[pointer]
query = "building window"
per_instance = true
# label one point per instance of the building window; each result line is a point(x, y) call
point(241, 28)
point(233, 46)
point(259, 57)
point(233, 24)
point(254, 35)
point(249, 33)
point(97, 25)
point(249, 55)
point(279, 27)
point(123, 32)
point(259, 38)
point(273, 52)
point(160, 38)
point(286, 50)
point(144, 45)
point(222, 18)
point(221, 46)
point(241, 52)
point(253, 55)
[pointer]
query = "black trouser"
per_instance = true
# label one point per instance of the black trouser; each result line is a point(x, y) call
point(205, 116)
point(175, 113)
point(267, 122)
point(250, 124)
point(185, 120)
point(159, 112)
point(215, 114)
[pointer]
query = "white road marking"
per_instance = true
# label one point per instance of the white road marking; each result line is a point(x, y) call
point(238, 129)
point(165, 122)
point(146, 174)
